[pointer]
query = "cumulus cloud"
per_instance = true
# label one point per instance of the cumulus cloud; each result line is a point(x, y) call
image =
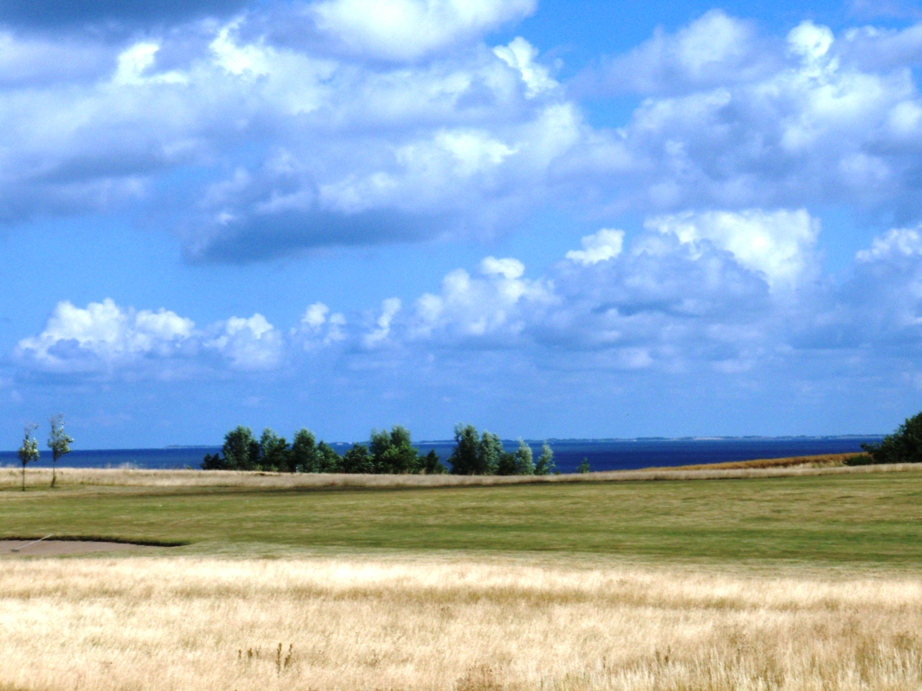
point(691, 292)
point(410, 29)
point(875, 315)
point(252, 147)
point(338, 150)
point(497, 304)
point(104, 335)
point(661, 303)
point(778, 244)
point(599, 247)
point(249, 344)
point(520, 55)
point(389, 308)
point(319, 327)
point(105, 338)
point(894, 244)
point(825, 119)
point(713, 50)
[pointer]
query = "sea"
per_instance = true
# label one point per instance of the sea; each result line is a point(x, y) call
point(601, 454)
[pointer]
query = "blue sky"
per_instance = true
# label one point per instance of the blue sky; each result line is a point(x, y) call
point(550, 219)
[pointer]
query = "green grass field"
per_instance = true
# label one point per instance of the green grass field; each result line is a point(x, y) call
point(871, 519)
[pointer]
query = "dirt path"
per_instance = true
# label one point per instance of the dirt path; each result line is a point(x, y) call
point(54, 548)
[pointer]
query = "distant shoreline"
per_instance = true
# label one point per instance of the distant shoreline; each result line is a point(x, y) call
point(569, 454)
point(549, 440)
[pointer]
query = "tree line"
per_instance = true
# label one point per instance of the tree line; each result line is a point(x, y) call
point(387, 452)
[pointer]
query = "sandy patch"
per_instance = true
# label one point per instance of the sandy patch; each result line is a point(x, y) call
point(54, 548)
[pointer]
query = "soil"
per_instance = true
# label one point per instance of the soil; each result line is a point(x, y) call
point(55, 548)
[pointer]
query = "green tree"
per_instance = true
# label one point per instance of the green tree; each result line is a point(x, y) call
point(379, 443)
point(903, 446)
point(304, 453)
point(358, 460)
point(583, 467)
point(475, 455)
point(393, 452)
point(545, 464)
point(506, 464)
point(330, 461)
point(489, 454)
point(430, 464)
point(59, 442)
point(463, 457)
point(214, 462)
point(28, 452)
point(241, 450)
point(524, 461)
point(274, 452)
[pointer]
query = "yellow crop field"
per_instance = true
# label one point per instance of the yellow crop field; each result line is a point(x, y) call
point(354, 622)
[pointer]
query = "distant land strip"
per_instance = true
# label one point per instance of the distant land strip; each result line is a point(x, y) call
point(825, 464)
point(821, 460)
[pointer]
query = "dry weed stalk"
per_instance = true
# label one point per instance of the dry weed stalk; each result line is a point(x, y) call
point(117, 477)
point(357, 623)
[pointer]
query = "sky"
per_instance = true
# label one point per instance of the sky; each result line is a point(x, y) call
point(548, 219)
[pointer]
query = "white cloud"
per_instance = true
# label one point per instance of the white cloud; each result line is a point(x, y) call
point(810, 41)
point(389, 308)
point(714, 49)
point(134, 63)
point(599, 247)
point(691, 292)
point(500, 303)
point(249, 344)
point(778, 244)
point(411, 29)
point(520, 55)
point(315, 315)
point(814, 122)
point(106, 338)
point(898, 242)
point(349, 150)
point(320, 327)
point(104, 335)
point(509, 268)
point(879, 305)
point(664, 304)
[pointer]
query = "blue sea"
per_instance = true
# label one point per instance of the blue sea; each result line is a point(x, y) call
point(602, 454)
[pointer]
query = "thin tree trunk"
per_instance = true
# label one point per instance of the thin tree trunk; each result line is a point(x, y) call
point(23, 477)
point(54, 464)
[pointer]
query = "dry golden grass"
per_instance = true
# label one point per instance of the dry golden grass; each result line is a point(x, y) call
point(357, 622)
point(825, 460)
point(10, 478)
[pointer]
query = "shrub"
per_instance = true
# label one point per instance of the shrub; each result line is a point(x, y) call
point(274, 452)
point(464, 456)
point(903, 446)
point(545, 464)
point(358, 460)
point(214, 462)
point(393, 452)
point(432, 465)
point(524, 460)
point(330, 461)
point(241, 450)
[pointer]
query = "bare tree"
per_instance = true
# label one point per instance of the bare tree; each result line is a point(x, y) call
point(28, 452)
point(58, 442)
